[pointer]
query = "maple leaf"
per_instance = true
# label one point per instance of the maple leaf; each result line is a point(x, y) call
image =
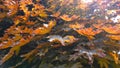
point(12, 5)
point(19, 19)
point(69, 39)
point(10, 53)
point(57, 14)
point(52, 23)
point(6, 44)
point(45, 29)
point(115, 56)
point(17, 37)
point(38, 10)
point(23, 41)
point(27, 30)
point(98, 25)
point(111, 29)
point(114, 37)
point(30, 23)
point(67, 18)
point(43, 14)
point(88, 32)
point(76, 25)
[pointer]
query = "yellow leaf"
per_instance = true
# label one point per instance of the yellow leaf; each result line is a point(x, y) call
point(10, 54)
point(111, 29)
point(17, 22)
point(51, 24)
point(43, 14)
point(17, 50)
point(6, 44)
point(30, 23)
point(45, 29)
point(17, 37)
point(88, 32)
point(69, 39)
point(12, 5)
point(23, 41)
point(114, 37)
point(67, 18)
point(76, 25)
point(57, 14)
point(115, 56)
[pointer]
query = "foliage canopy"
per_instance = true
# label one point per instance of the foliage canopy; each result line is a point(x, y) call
point(55, 32)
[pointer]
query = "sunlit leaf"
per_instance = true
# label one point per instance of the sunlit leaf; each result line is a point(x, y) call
point(17, 37)
point(114, 37)
point(57, 14)
point(12, 5)
point(115, 56)
point(6, 44)
point(69, 39)
point(68, 18)
point(45, 29)
point(27, 30)
point(30, 23)
point(76, 25)
point(10, 54)
point(43, 14)
point(23, 41)
point(111, 29)
point(88, 32)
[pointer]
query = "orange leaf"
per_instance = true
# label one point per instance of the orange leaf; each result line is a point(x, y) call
point(45, 29)
point(43, 14)
point(69, 39)
point(27, 30)
point(67, 18)
point(6, 44)
point(56, 14)
point(88, 32)
point(10, 54)
point(114, 37)
point(111, 29)
point(12, 5)
point(17, 37)
point(30, 23)
point(76, 26)
point(115, 57)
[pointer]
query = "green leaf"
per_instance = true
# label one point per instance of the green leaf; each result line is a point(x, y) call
point(103, 62)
